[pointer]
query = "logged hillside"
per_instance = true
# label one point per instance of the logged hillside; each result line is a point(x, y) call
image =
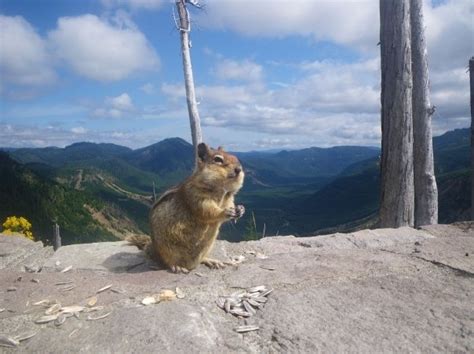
point(300, 192)
point(24, 193)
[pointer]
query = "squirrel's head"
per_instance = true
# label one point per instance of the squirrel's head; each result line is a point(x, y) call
point(219, 168)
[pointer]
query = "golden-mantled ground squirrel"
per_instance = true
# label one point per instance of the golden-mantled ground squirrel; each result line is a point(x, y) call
point(185, 220)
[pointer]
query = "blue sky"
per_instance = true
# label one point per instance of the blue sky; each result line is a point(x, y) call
point(268, 74)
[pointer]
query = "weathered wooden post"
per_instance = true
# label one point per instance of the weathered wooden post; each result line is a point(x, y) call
point(56, 237)
point(397, 184)
point(471, 80)
point(426, 191)
point(184, 27)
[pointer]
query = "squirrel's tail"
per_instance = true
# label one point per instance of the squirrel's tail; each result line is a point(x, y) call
point(141, 241)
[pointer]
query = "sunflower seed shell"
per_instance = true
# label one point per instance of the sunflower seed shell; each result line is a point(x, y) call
point(243, 329)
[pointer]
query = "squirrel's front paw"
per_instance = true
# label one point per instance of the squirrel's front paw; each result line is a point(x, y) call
point(240, 211)
point(235, 212)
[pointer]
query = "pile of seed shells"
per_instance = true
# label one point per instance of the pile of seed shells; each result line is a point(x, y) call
point(244, 303)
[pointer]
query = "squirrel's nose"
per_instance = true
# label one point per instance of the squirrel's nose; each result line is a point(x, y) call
point(237, 170)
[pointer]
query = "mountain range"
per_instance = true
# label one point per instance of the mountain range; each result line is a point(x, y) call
point(104, 191)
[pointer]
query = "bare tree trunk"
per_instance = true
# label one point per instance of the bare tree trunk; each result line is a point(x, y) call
point(426, 191)
point(56, 237)
point(397, 185)
point(184, 29)
point(471, 79)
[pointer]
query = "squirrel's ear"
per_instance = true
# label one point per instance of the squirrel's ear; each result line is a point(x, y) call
point(220, 148)
point(203, 151)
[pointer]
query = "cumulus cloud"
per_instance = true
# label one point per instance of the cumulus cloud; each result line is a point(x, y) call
point(79, 130)
point(115, 107)
point(245, 70)
point(148, 88)
point(348, 22)
point(345, 96)
point(335, 102)
point(24, 60)
point(101, 50)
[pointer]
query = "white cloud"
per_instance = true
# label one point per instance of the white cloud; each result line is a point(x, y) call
point(148, 88)
point(100, 50)
point(348, 22)
point(450, 33)
point(115, 107)
point(332, 102)
point(24, 59)
point(79, 130)
point(245, 70)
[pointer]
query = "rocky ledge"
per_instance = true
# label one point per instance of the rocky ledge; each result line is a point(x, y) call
point(370, 291)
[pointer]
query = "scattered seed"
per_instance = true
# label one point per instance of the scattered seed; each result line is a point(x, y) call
point(238, 259)
point(68, 288)
point(57, 263)
point(221, 302)
point(8, 342)
point(1, 310)
point(46, 319)
point(243, 329)
point(104, 288)
point(34, 280)
point(244, 303)
point(253, 303)
point(72, 309)
point(256, 289)
point(117, 291)
point(66, 282)
point(34, 269)
point(227, 305)
point(266, 293)
point(241, 313)
point(92, 301)
point(237, 295)
point(93, 309)
point(19, 278)
point(167, 295)
point(53, 309)
point(267, 267)
point(42, 303)
point(67, 269)
point(60, 320)
point(249, 307)
point(259, 255)
point(149, 300)
point(73, 332)
point(198, 274)
point(90, 318)
point(260, 299)
point(179, 293)
point(23, 337)
point(11, 288)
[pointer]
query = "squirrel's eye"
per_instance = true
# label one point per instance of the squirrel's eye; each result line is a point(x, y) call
point(218, 159)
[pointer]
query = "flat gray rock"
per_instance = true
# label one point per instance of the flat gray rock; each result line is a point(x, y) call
point(20, 253)
point(386, 290)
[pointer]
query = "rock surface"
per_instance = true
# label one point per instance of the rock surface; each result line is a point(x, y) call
point(370, 291)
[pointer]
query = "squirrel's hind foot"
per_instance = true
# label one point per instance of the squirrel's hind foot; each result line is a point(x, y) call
point(213, 263)
point(178, 269)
